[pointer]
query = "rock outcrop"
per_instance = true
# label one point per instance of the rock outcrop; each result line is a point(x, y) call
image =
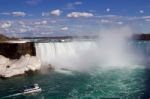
point(9, 68)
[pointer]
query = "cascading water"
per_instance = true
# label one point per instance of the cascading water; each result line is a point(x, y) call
point(72, 55)
point(64, 54)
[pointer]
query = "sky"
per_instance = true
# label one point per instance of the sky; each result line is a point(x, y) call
point(71, 17)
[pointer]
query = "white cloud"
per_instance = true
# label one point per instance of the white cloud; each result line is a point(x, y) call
point(6, 24)
point(45, 14)
point(43, 22)
point(64, 28)
point(78, 3)
point(56, 12)
point(21, 22)
point(105, 21)
point(108, 10)
point(19, 14)
point(119, 22)
point(141, 11)
point(79, 14)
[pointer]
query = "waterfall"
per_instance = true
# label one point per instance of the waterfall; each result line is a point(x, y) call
point(63, 54)
point(77, 54)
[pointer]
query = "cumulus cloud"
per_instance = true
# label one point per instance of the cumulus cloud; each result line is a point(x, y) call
point(64, 28)
point(43, 22)
point(141, 11)
point(108, 10)
point(79, 14)
point(19, 14)
point(6, 24)
point(56, 12)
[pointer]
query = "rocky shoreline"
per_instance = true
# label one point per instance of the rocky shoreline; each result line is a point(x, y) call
point(14, 67)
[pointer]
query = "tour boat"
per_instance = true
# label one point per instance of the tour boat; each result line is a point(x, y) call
point(33, 89)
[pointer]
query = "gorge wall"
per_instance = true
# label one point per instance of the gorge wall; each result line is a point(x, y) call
point(15, 50)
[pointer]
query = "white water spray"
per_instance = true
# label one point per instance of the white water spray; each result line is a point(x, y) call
point(114, 48)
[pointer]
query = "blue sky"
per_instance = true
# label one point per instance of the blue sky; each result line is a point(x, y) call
point(71, 17)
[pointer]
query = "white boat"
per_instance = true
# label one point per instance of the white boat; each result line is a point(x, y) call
point(33, 89)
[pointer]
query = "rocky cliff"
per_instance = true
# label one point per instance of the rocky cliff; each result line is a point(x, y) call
point(9, 68)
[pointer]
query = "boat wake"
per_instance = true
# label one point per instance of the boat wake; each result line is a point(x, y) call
point(13, 95)
point(33, 89)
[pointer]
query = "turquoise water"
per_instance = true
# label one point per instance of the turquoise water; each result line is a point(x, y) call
point(102, 83)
